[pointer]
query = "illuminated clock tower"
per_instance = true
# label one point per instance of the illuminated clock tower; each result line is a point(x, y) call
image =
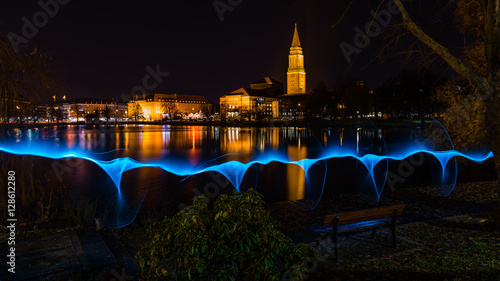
point(296, 75)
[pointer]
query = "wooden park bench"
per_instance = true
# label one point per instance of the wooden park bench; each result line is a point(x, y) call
point(350, 221)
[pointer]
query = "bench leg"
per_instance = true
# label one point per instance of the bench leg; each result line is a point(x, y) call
point(335, 244)
point(394, 236)
point(335, 238)
point(393, 228)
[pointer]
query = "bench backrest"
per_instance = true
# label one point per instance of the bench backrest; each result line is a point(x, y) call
point(363, 215)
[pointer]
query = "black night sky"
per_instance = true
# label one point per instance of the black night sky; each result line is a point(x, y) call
point(101, 48)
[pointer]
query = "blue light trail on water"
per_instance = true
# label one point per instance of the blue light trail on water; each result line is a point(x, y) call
point(234, 171)
point(372, 153)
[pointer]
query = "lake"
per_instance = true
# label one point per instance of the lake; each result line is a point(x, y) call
point(172, 164)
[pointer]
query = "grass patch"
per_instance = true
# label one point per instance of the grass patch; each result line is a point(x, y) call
point(458, 248)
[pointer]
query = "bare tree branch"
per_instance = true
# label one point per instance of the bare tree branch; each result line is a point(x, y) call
point(442, 51)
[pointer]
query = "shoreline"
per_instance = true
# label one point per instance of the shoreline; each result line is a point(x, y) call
point(381, 123)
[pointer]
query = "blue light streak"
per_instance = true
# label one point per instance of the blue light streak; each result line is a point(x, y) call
point(371, 184)
point(234, 171)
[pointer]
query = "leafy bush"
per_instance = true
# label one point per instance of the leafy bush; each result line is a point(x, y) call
point(236, 240)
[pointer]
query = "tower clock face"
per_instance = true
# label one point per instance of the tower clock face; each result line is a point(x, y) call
point(293, 75)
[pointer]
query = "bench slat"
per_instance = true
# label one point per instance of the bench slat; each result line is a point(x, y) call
point(364, 224)
point(361, 219)
point(356, 225)
point(356, 216)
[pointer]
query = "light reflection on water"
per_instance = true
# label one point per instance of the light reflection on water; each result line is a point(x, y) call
point(195, 145)
point(203, 146)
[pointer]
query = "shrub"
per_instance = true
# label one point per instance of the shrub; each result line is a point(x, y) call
point(236, 240)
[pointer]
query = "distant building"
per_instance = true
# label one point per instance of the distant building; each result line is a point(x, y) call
point(160, 106)
point(266, 98)
point(296, 74)
point(292, 104)
point(91, 106)
point(257, 102)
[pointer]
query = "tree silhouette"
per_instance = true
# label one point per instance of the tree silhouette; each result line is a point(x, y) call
point(136, 111)
point(23, 75)
point(207, 110)
point(480, 19)
point(76, 109)
point(56, 114)
point(106, 112)
point(169, 107)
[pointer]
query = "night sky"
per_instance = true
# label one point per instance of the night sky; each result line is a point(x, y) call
point(101, 48)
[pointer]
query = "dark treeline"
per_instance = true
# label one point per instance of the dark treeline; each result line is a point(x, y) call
point(350, 97)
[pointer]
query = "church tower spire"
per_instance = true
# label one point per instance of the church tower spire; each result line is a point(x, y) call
point(296, 40)
point(296, 75)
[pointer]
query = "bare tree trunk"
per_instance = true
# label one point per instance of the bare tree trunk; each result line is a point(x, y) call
point(490, 90)
point(491, 36)
point(493, 127)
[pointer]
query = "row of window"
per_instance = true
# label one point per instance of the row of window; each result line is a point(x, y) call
point(178, 101)
point(231, 106)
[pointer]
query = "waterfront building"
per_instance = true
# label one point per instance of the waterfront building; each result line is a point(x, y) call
point(84, 106)
point(259, 101)
point(157, 107)
point(265, 98)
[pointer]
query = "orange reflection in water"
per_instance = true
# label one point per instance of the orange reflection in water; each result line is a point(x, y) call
point(157, 144)
point(194, 154)
point(296, 180)
point(71, 140)
point(249, 140)
point(237, 140)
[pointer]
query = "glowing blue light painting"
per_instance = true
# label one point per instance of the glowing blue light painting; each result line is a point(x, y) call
point(364, 143)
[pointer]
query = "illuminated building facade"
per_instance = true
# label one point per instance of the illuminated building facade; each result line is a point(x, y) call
point(296, 75)
point(157, 107)
point(90, 106)
point(292, 105)
point(266, 98)
point(258, 102)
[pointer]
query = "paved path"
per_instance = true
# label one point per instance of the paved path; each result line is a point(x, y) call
point(65, 252)
point(358, 246)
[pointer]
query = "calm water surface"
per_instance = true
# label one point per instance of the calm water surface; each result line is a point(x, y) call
point(199, 146)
